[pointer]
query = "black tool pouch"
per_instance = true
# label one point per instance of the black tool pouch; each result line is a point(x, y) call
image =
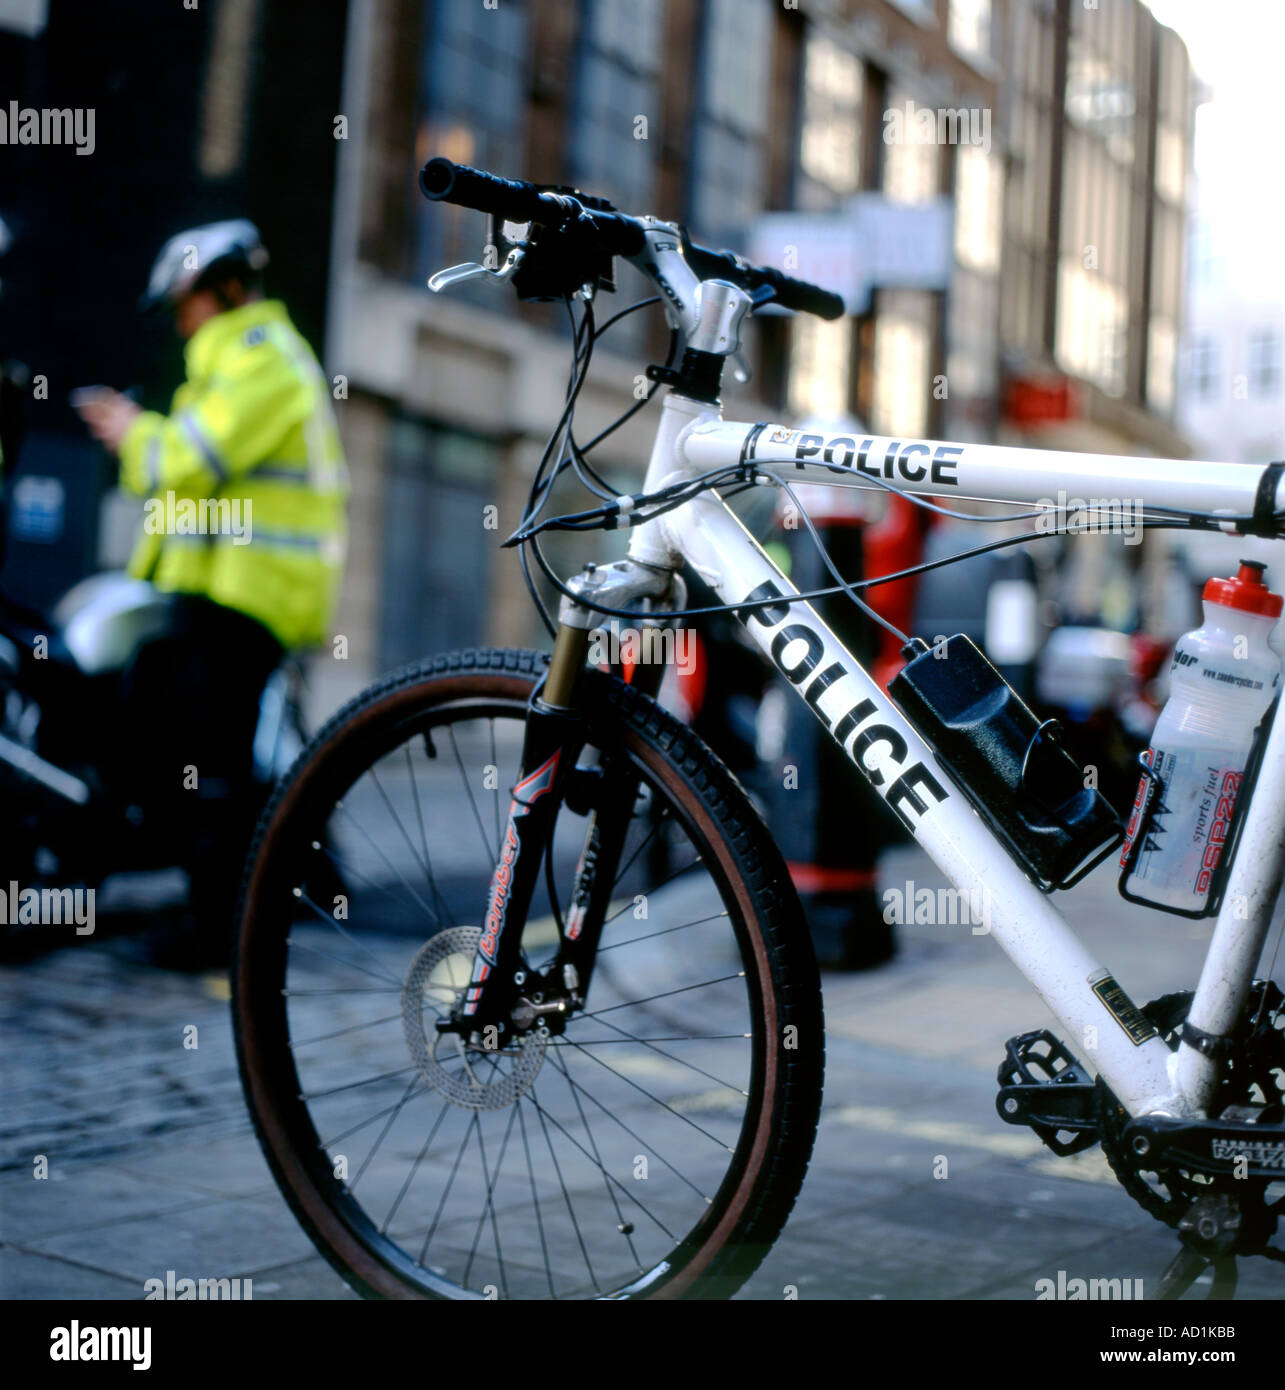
point(1014, 769)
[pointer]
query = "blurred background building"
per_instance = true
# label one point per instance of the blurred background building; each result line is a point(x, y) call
point(1017, 277)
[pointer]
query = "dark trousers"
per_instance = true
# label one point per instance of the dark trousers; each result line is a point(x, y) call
point(191, 706)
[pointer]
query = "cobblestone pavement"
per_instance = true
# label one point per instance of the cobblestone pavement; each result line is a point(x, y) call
point(152, 1165)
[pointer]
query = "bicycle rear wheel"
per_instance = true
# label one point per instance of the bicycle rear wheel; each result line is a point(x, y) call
point(653, 1149)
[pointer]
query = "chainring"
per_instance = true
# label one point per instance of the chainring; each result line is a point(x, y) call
point(1255, 1075)
point(467, 1073)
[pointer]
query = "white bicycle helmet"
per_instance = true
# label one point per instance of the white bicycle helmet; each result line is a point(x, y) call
point(189, 256)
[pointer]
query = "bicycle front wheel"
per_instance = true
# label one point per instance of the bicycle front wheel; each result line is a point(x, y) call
point(652, 1149)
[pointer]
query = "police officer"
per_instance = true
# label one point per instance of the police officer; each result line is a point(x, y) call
point(245, 526)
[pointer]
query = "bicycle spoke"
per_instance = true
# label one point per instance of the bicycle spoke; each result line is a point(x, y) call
point(611, 1196)
point(633, 1134)
point(666, 994)
point(660, 1051)
point(423, 836)
point(566, 1196)
point(410, 1177)
point(665, 931)
point(490, 1204)
point(350, 871)
point(331, 920)
point(450, 1182)
point(341, 960)
point(420, 901)
point(397, 820)
point(664, 883)
point(411, 1086)
point(657, 1100)
point(650, 836)
point(369, 1120)
point(339, 1032)
point(535, 1200)
point(353, 1085)
point(477, 815)
point(651, 1216)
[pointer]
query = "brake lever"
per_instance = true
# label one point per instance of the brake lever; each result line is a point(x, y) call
point(472, 270)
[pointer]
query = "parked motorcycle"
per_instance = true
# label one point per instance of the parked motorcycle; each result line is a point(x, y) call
point(71, 812)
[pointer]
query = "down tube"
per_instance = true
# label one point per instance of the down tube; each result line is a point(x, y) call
point(899, 764)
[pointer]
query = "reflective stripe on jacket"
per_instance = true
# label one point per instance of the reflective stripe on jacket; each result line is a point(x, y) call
point(245, 478)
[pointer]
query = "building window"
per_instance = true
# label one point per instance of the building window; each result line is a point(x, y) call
point(616, 98)
point(1161, 359)
point(902, 359)
point(972, 353)
point(1100, 97)
point(473, 94)
point(1204, 368)
point(911, 159)
point(977, 209)
point(820, 365)
point(1204, 255)
point(435, 580)
point(727, 165)
point(1265, 363)
point(1092, 326)
point(830, 130)
point(970, 27)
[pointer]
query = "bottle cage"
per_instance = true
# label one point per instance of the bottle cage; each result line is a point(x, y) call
point(1153, 789)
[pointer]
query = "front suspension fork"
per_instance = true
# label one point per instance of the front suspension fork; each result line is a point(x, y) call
point(552, 739)
point(552, 742)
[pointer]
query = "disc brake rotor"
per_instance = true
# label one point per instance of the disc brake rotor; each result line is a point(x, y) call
point(468, 1074)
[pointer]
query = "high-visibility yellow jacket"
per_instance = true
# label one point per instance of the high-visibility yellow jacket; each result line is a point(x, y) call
point(245, 478)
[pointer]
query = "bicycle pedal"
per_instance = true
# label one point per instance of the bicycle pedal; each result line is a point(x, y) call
point(1043, 1085)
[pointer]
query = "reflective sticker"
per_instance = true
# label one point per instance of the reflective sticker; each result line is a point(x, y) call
point(1121, 1008)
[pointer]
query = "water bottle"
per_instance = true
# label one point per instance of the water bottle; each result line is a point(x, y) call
point(1224, 677)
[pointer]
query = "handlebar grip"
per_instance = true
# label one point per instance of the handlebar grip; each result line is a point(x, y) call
point(803, 296)
point(790, 293)
point(513, 199)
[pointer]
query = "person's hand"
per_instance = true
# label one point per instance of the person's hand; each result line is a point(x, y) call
point(109, 416)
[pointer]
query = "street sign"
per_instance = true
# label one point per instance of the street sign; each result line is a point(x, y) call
point(871, 244)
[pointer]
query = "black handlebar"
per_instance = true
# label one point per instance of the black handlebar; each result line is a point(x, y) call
point(512, 199)
point(515, 200)
point(801, 295)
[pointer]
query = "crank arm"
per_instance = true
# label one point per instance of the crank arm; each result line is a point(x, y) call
point(1230, 1148)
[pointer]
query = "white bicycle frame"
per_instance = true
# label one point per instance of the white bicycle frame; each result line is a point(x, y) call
point(1100, 1023)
